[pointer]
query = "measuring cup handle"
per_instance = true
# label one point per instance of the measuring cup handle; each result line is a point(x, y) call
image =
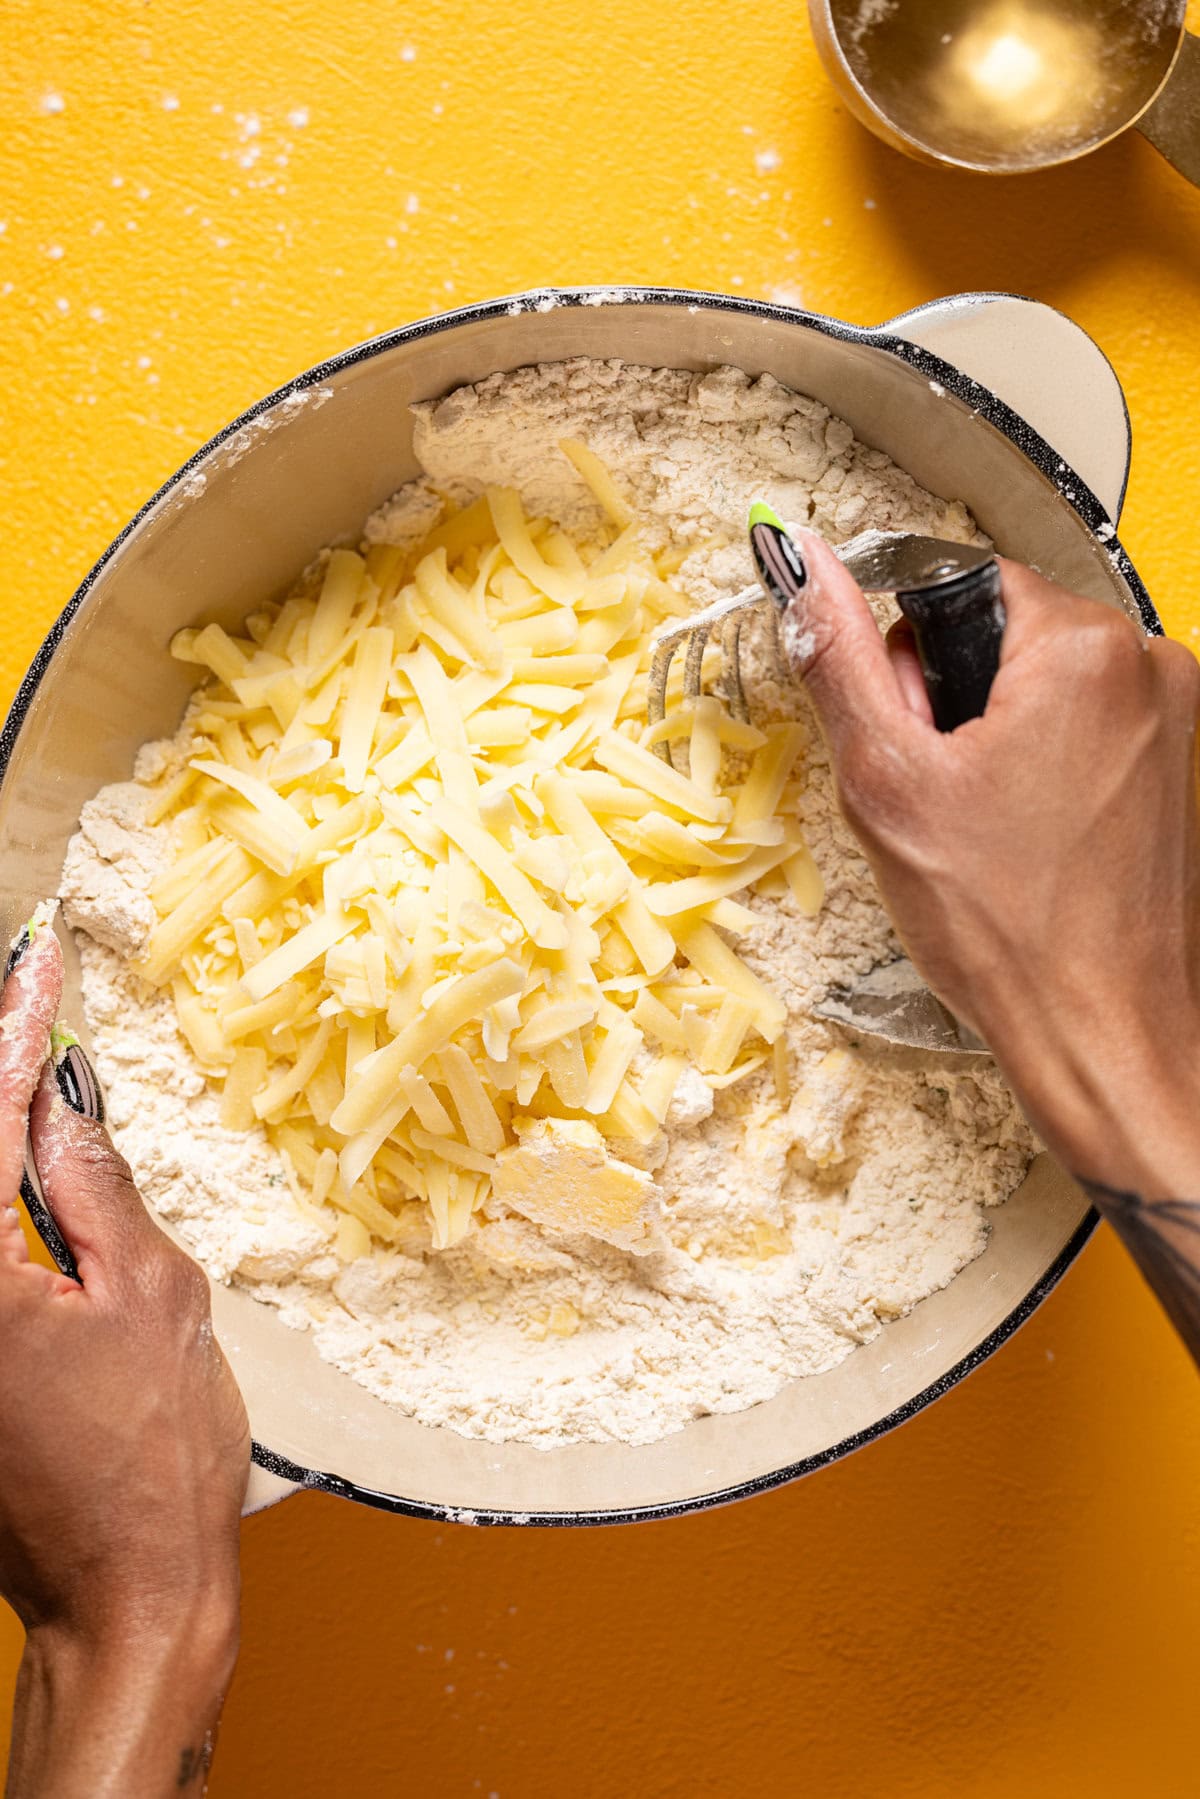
point(959, 628)
point(1172, 123)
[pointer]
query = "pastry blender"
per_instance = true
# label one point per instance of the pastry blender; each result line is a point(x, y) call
point(950, 593)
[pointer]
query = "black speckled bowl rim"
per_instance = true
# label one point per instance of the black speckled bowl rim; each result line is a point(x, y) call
point(982, 401)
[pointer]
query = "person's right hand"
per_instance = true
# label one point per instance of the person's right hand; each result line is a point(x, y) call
point(124, 1453)
point(1041, 862)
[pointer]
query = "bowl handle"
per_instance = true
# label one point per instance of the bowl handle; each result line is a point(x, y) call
point(265, 1488)
point(1045, 368)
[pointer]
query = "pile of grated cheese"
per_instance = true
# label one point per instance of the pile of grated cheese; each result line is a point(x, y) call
point(434, 878)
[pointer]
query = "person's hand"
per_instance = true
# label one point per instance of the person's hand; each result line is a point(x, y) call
point(1041, 866)
point(124, 1453)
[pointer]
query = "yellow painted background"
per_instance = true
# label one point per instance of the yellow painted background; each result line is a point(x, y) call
point(200, 198)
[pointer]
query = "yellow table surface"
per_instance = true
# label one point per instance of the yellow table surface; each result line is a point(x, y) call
point(199, 199)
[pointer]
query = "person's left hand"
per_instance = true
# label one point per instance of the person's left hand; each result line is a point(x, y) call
point(124, 1452)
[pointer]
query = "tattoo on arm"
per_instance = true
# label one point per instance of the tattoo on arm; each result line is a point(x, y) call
point(1163, 1237)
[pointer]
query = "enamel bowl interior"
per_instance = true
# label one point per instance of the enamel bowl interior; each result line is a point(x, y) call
point(233, 529)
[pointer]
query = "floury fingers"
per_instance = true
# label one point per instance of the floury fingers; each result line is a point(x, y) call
point(42, 918)
point(35, 931)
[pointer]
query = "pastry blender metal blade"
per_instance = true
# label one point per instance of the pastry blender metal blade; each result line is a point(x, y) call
point(893, 1003)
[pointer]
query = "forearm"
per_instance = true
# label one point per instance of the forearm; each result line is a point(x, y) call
point(1163, 1237)
point(133, 1715)
point(1113, 1091)
point(1124, 1118)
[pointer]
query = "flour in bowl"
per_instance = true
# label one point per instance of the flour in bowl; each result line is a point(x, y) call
point(778, 1221)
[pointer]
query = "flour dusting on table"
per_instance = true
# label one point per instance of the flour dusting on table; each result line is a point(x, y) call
point(789, 1233)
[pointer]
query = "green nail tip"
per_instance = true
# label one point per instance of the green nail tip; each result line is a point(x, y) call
point(43, 912)
point(761, 514)
point(62, 1038)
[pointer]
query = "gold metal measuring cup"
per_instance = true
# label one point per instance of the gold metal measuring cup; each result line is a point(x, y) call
point(1005, 86)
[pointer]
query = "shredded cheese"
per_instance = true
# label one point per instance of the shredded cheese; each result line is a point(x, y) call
point(434, 891)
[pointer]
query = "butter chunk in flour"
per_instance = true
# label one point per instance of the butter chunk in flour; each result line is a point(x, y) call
point(561, 1176)
point(433, 1010)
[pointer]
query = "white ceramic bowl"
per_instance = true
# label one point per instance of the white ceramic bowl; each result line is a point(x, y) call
point(999, 402)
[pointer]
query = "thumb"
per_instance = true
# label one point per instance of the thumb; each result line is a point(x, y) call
point(829, 633)
point(86, 1182)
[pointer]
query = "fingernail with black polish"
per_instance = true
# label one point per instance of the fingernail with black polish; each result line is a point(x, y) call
point(77, 1079)
point(43, 915)
point(20, 944)
point(777, 559)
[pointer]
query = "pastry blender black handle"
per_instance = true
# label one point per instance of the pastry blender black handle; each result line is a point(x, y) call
point(959, 627)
